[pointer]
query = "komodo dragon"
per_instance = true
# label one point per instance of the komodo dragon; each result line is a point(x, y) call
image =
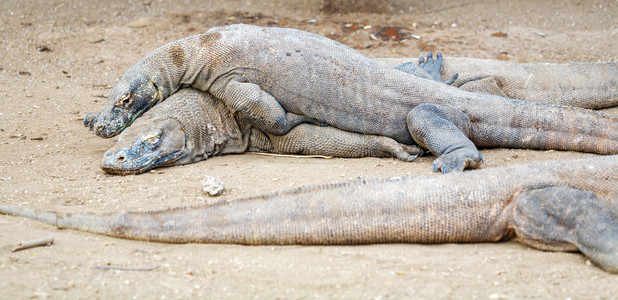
point(276, 78)
point(191, 126)
point(560, 205)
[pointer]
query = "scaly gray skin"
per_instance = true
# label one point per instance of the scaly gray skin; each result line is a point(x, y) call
point(585, 85)
point(191, 126)
point(277, 78)
point(563, 205)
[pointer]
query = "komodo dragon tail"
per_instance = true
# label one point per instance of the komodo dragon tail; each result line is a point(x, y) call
point(581, 84)
point(531, 125)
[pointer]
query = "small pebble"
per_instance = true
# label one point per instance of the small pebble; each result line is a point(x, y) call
point(213, 186)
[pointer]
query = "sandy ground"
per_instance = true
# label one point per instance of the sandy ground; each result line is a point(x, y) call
point(58, 61)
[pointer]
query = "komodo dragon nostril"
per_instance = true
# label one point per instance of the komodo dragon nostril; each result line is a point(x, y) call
point(120, 158)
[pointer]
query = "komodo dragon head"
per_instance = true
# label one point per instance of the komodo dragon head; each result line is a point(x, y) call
point(189, 126)
point(129, 99)
point(146, 145)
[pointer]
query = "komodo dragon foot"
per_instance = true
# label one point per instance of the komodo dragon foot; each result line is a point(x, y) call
point(458, 161)
point(445, 132)
point(429, 69)
point(434, 68)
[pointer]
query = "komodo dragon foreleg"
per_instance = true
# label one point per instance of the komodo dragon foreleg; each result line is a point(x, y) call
point(257, 107)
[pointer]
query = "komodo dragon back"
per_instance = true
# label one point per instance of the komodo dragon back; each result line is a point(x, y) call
point(561, 205)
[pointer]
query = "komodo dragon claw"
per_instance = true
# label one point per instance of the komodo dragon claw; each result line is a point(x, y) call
point(89, 119)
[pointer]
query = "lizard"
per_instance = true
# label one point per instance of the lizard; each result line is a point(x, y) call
point(554, 205)
point(191, 126)
point(277, 78)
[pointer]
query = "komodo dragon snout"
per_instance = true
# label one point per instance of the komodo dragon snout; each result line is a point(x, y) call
point(129, 99)
point(142, 149)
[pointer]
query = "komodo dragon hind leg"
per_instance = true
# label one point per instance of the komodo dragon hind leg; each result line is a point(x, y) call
point(432, 70)
point(444, 132)
point(567, 219)
point(413, 69)
point(481, 85)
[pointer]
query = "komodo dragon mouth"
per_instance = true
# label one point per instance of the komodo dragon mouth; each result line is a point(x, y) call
point(122, 164)
point(119, 120)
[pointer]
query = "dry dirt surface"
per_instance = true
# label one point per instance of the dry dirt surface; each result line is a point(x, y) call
point(59, 59)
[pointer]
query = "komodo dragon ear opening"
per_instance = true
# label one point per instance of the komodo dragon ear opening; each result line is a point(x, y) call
point(158, 146)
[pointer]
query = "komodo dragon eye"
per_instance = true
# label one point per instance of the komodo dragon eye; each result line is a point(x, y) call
point(125, 100)
point(153, 140)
